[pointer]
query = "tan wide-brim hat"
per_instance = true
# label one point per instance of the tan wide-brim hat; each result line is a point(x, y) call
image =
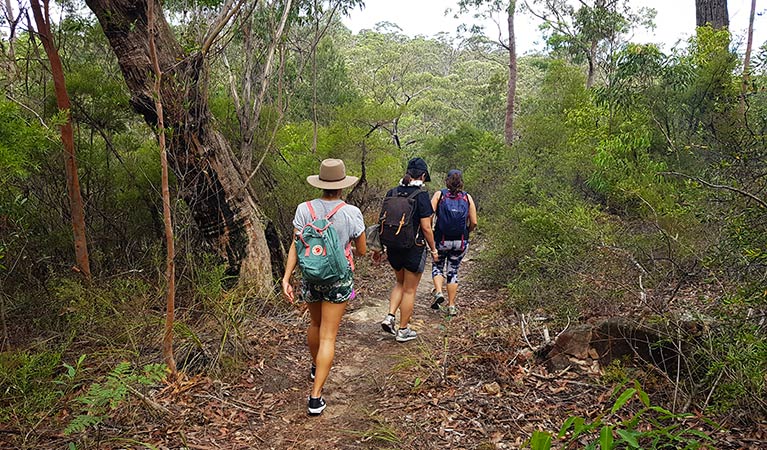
point(332, 176)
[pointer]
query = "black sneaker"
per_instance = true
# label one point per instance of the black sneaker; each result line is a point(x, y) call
point(316, 406)
point(439, 298)
point(312, 372)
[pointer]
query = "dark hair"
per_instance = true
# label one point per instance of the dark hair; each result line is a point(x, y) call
point(331, 192)
point(411, 175)
point(454, 182)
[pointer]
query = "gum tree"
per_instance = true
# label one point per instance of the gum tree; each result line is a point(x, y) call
point(209, 176)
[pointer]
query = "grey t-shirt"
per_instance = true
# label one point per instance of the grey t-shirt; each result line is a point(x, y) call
point(347, 222)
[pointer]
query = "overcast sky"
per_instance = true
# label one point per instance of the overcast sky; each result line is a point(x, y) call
point(675, 20)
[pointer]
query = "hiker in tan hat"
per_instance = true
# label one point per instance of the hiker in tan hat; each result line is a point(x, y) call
point(324, 230)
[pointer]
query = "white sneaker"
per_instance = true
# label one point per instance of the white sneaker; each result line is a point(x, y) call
point(406, 334)
point(452, 310)
point(388, 324)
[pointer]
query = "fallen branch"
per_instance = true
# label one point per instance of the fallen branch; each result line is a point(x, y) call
point(153, 405)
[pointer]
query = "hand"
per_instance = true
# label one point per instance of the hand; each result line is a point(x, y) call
point(435, 254)
point(377, 257)
point(287, 290)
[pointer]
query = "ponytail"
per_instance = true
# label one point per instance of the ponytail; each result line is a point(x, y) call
point(454, 182)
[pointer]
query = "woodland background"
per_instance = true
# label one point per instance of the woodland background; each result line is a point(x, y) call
point(613, 180)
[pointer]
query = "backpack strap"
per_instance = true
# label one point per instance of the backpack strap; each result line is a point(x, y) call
point(330, 214)
point(411, 195)
point(335, 210)
point(311, 210)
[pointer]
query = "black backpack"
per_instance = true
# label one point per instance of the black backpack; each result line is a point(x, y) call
point(396, 219)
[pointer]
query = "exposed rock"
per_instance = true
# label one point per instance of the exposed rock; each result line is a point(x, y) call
point(619, 338)
point(612, 339)
point(574, 342)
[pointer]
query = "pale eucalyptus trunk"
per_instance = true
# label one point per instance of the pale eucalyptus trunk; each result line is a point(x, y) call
point(511, 92)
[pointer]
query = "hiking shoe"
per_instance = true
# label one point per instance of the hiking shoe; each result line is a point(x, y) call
point(438, 299)
point(452, 310)
point(312, 372)
point(406, 334)
point(316, 406)
point(388, 324)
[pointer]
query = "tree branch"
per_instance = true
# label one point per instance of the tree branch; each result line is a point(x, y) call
point(761, 202)
point(228, 11)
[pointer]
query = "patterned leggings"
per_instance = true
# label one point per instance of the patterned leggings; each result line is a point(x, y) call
point(450, 254)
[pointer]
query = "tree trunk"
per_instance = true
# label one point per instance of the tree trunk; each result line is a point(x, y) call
point(712, 12)
point(511, 93)
point(12, 29)
point(42, 19)
point(747, 59)
point(170, 248)
point(209, 178)
point(592, 60)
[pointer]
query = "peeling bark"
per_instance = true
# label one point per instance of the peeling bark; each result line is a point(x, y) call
point(209, 178)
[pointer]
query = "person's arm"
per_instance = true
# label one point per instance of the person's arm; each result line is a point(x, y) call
point(472, 214)
point(434, 203)
point(428, 235)
point(360, 245)
point(290, 266)
point(435, 200)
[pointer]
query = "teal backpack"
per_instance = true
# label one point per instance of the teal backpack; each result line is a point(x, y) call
point(320, 255)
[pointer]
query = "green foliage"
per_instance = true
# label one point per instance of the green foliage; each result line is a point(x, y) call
point(591, 29)
point(32, 383)
point(21, 143)
point(733, 358)
point(26, 383)
point(650, 427)
point(98, 307)
point(106, 396)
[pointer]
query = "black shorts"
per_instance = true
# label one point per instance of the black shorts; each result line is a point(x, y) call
point(411, 259)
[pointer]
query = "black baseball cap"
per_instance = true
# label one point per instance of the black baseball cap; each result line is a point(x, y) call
point(417, 167)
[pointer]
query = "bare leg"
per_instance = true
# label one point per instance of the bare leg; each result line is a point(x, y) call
point(331, 319)
point(439, 280)
point(313, 333)
point(395, 298)
point(409, 287)
point(452, 290)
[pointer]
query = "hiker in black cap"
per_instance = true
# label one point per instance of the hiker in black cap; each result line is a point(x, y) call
point(406, 233)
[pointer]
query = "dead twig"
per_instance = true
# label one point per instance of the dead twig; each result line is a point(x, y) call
point(153, 405)
point(522, 324)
